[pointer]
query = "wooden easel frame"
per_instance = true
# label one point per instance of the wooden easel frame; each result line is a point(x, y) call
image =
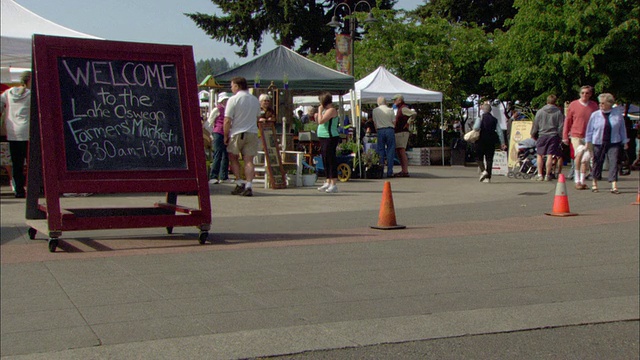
point(272, 157)
point(48, 156)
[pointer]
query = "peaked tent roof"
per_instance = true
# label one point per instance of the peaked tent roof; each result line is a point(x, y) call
point(281, 63)
point(381, 82)
point(18, 26)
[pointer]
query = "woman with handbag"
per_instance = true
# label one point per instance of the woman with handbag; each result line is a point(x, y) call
point(606, 134)
point(490, 134)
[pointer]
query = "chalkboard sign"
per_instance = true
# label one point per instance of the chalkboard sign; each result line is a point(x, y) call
point(113, 117)
point(121, 115)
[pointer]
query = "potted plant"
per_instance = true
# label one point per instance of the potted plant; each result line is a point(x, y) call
point(349, 147)
point(371, 162)
point(309, 176)
point(291, 178)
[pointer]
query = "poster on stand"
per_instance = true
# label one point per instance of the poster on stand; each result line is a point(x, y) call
point(520, 130)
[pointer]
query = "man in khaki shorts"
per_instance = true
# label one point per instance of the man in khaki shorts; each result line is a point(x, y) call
point(404, 118)
point(575, 127)
point(241, 133)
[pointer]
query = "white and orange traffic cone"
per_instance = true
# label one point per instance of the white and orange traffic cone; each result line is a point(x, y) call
point(637, 198)
point(561, 201)
point(387, 216)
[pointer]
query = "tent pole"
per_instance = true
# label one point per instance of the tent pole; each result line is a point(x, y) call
point(442, 131)
point(356, 124)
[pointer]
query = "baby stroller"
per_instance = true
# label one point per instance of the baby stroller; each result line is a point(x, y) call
point(526, 166)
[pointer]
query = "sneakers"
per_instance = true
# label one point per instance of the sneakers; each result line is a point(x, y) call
point(247, 192)
point(238, 190)
point(324, 187)
point(547, 178)
point(484, 176)
point(331, 189)
point(214, 181)
point(486, 180)
point(539, 178)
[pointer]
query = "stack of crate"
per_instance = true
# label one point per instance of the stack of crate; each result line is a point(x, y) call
point(419, 156)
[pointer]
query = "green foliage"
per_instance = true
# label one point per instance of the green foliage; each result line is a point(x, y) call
point(348, 147)
point(211, 67)
point(557, 46)
point(430, 53)
point(370, 158)
point(310, 126)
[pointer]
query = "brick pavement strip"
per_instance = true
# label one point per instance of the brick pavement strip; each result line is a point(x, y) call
point(470, 262)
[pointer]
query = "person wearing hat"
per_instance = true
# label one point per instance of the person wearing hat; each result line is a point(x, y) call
point(383, 120)
point(15, 106)
point(215, 125)
point(404, 118)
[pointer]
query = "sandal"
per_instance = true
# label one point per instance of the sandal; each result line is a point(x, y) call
point(615, 191)
point(595, 189)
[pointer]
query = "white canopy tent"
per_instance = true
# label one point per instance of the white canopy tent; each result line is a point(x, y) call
point(18, 26)
point(381, 82)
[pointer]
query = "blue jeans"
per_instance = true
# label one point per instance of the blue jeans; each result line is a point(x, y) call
point(220, 164)
point(386, 147)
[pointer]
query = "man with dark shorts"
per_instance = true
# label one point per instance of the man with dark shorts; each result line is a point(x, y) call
point(547, 131)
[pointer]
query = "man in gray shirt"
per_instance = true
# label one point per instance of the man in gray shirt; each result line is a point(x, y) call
point(547, 131)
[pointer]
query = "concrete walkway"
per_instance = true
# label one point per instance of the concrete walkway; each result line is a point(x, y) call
point(302, 270)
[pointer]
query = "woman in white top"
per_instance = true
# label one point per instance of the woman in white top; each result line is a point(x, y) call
point(16, 106)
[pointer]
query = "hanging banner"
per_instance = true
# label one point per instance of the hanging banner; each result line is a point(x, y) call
point(343, 53)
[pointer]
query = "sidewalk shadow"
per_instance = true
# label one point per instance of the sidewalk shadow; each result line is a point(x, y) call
point(173, 241)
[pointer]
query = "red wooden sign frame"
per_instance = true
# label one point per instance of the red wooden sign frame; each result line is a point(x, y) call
point(52, 162)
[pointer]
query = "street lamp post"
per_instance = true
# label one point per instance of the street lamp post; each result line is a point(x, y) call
point(352, 29)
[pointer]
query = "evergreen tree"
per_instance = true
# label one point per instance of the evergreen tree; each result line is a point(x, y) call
point(211, 67)
point(289, 22)
point(488, 14)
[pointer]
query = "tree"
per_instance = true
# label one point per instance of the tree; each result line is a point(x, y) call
point(488, 14)
point(557, 46)
point(289, 22)
point(431, 53)
point(211, 67)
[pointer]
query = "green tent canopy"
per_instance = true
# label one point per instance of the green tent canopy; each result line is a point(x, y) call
point(282, 65)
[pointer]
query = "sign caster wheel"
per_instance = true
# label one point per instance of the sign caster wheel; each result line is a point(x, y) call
point(202, 239)
point(53, 244)
point(32, 233)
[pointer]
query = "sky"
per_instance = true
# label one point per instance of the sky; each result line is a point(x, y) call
point(149, 21)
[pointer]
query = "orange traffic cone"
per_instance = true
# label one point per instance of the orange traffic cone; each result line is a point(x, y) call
point(561, 201)
point(637, 198)
point(387, 216)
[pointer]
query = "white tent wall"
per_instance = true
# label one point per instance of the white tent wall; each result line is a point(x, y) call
point(18, 26)
point(381, 82)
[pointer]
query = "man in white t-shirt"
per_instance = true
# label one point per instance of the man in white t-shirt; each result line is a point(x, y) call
point(241, 133)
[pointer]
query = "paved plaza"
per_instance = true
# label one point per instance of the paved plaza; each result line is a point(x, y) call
point(479, 269)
